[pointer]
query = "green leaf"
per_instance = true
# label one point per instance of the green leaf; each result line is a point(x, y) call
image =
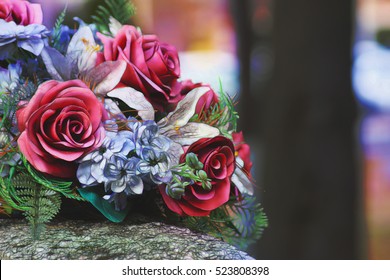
point(106, 208)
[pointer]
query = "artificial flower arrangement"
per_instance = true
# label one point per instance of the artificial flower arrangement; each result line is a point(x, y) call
point(99, 114)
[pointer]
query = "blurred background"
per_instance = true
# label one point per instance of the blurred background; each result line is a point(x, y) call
point(313, 83)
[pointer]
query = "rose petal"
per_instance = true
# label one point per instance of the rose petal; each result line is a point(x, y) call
point(222, 195)
point(200, 193)
point(67, 155)
point(190, 210)
point(55, 168)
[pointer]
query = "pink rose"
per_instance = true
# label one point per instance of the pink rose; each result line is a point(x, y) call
point(152, 67)
point(209, 99)
point(21, 12)
point(217, 156)
point(60, 124)
point(243, 151)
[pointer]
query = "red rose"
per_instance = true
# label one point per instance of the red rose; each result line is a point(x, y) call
point(243, 151)
point(152, 67)
point(21, 12)
point(206, 101)
point(217, 156)
point(60, 124)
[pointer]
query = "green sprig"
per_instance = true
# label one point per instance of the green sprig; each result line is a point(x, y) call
point(57, 30)
point(121, 10)
point(229, 116)
point(185, 174)
point(222, 115)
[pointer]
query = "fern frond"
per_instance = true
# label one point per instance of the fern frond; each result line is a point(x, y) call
point(63, 187)
point(8, 194)
point(248, 218)
point(121, 10)
point(57, 29)
point(41, 204)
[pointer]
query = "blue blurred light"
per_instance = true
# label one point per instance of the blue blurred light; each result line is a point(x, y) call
point(371, 75)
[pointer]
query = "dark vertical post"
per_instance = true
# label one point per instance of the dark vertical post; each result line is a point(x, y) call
point(242, 20)
point(309, 174)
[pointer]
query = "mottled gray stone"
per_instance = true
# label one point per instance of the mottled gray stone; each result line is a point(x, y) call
point(73, 239)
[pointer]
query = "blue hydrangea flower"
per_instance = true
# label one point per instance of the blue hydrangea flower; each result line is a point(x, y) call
point(122, 180)
point(91, 167)
point(152, 149)
point(146, 135)
point(30, 38)
point(9, 77)
point(121, 175)
point(128, 160)
point(156, 165)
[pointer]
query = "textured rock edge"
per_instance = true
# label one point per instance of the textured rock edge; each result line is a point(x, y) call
point(134, 239)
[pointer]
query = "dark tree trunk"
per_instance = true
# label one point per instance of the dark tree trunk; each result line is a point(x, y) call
point(309, 176)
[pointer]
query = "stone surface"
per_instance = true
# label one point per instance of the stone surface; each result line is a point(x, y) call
point(134, 239)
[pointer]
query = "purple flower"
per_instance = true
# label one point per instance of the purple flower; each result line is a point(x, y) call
point(30, 38)
point(9, 77)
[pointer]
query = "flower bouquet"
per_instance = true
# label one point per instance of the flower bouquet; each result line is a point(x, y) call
point(99, 114)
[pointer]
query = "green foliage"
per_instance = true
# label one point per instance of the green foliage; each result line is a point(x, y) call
point(121, 10)
point(57, 31)
point(39, 204)
point(38, 197)
point(63, 187)
point(239, 223)
point(229, 116)
point(106, 208)
point(9, 102)
point(222, 115)
point(249, 219)
point(8, 195)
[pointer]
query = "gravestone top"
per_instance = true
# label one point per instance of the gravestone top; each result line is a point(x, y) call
point(91, 240)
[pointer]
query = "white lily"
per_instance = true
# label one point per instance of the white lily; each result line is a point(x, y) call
point(105, 77)
point(82, 49)
point(80, 56)
point(177, 125)
point(80, 62)
point(241, 179)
